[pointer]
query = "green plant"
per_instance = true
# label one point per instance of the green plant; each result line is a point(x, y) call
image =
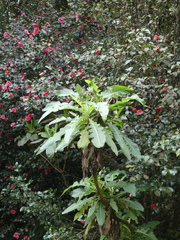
point(92, 122)
point(117, 216)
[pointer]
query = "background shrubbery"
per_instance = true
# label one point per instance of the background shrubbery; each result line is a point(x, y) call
point(46, 46)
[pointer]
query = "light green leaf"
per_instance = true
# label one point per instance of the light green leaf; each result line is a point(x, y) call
point(148, 235)
point(120, 140)
point(71, 128)
point(133, 215)
point(113, 205)
point(92, 210)
point(110, 142)
point(84, 139)
point(48, 143)
point(76, 193)
point(77, 205)
point(116, 90)
point(51, 150)
point(24, 140)
point(100, 213)
point(57, 120)
point(133, 147)
point(97, 134)
point(92, 84)
point(134, 204)
point(137, 98)
point(130, 188)
point(50, 107)
point(103, 109)
point(66, 92)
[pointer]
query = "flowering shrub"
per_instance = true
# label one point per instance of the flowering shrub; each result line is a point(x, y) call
point(43, 50)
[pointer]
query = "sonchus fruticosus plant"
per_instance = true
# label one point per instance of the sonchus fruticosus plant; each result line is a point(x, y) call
point(91, 119)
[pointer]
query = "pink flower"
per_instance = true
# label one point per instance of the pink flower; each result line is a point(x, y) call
point(45, 51)
point(12, 185)
point(77, 15)
point(20, 44)
point(80, 70)
point(152, 206)
point(35, 31)
point(83, 222)
point(60, 68)
point(3, 117)
point(7, 72)
point(25, 97)
point(11, 94)
point(165, 88)
point(26, 31)
point(1, 105)
point(134, 109)
point(156, 37)
point(12, 211)
point(6, 34)
point(97, 52)
point(8, 83)
point(45, 93)
point(12, 124)
point(28, 117)
point(16, 235)
point(99, 27)
point(158, 109)
point(26, 237)
point(139, 111)
point(165, 40)
point(6, 176)
point(11, 167)
point(13, 110)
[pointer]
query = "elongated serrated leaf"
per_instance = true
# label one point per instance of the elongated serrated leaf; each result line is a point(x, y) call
point(48, 143)
point(116, 90)
point(100, 213)
point(84, 139)
point(76, 193)
point(92, 84)
point(137, 98)
point(92, 210)
point(97, 134)
point(110, 142)
point(71, 128)
point(130, 188)
point(66, 92)
point(50, 107)
point(146, 234)
point(120, 140)
point(61, 145)
point(133, 147)
point(103, 109)
point(113, 205)
point(24, 140)
point(134, 205)
point(51, 150)
point(77, 205)
point(57, 120)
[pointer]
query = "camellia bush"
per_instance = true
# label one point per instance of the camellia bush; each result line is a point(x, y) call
point(46, 47)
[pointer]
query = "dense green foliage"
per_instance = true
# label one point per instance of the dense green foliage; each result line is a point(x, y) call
point(47, 46)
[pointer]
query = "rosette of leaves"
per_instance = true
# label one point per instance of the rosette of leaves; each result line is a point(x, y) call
point(91, 120)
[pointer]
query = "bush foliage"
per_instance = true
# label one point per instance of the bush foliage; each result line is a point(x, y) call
point(47, 46)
